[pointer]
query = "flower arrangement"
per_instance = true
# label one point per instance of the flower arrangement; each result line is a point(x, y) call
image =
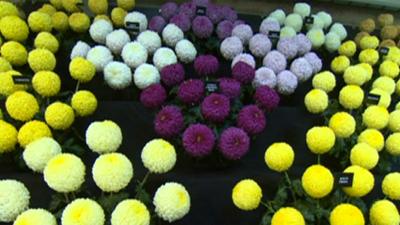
point(389, 33)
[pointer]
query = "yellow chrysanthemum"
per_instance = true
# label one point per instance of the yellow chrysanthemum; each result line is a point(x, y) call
point(384, 98)
point(71, 5)
point(386, 84)
point(59, 116)
point(348, 48)
point(46, 83)
point(394, 121)
point(64, 173)
point(364, 155)
point(316, 101)
point(47, 40)
point(41, 59)
point(371, 42)
point(126, 4)
point(39, 21)
point(343, 124)
point(351, 97)
point(103, 137)
point(339, 64)
point(376, 117)
point(35, 216)
point(84, 103)
point(102, 17)
point(14, 52)
point(14, 199)
point(320, 139)
point(368, 68)
point(48, 9)
point(14, 28)
point(246, 195)
point(363, 181)
point(391, 185)
point(38, 153)
point(384, 212)
point(325, 81)
point(355, 75)
point(393, 55)
point(132, 212)
point(389, 68)
point(346, 214)
point(82, 69)
point(8, 137)
point(158, 156)
point(8, 9)
point(370, 56)
point(287, 216)
point(372, 137)
point(7, 86)
point(279, 157)
point(392, 144)
point(118, 16)
point(60, 21)
point(4, 65)
point(98, 6)
point(112, 172)
point(317, 181)
point(57, 4)
point(22, 106)
point(79, 22)
point(83, 211)
point(31, 131)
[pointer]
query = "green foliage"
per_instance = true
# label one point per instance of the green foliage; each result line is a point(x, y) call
point(109, 201)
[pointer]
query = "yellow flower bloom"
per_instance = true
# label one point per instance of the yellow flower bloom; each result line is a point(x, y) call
point(316, 101)
point(14, 199)
point(386, 84)
point(279, 157)
point(246, 195)
point(31, 131)
point(84, 103)
point(132, 212)
point(339, 64)
point(158, 156)
point(126, 4)
point(393, 55)
point(287, 216)
point(363, 181)
point(22, 106)
point(371, 42)
point(82, 69)
point(35, 216)
point(4, 65)
point(83, 211)
point(348, 48)
point(8, 9)
point(41, 59)
point(39, 21)
point(14, 52)
point(47, 40)
point(103, 137)
point(38, 153)
point(317, 181)
point(376, 117)
point(14, 28)
point(60, 21)
point(59, 116)
point(364, 155)
point(57, 4)
point(346, 214)
point(343, 124)
point(325, 81)
point(320, 140)
point(391, 185)
point(393, 144)
point(389, 68)
point(370, 56)
point(394, 121)
point(355, 75)
point(8, 137)
point(117, 16)
point(102, 17)
point(98, 6)
point(71, 5)
point(372, 137)
point(384, 98)
point(48, 9)
point(79, 22)
point(368, 68)
point(351, 97)
point(7, 86)
point(46, 83)
point(384, 212)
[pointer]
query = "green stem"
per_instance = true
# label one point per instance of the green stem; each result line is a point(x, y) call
point(318, 212)
point(73, 195)
point(290, 186)
point(66, 197)
point(319, 159)
point(77, 86)
point(268, 205)
point(141, 184)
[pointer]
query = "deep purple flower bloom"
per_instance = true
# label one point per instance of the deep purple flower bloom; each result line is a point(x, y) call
point(234, 143)
point(288, 47)
point(198, 140)
point(182, 21)
point(188, 8)
point(228, 13)
point(169, 122)
point(202, 27)
point(172, 74)
point(224, 29)
point(191, 91)
point(157, 24)
point(214, 13)
point(153, 96)
point(251, 119)
point(206, 65)
point(169, 9)
point(229, 87)
point(215, 107)
point(243, 72)
point(266, 98)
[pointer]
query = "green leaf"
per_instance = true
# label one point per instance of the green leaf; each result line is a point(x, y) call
point(281, 196)
point(266, 219)
point(142, 195)
point(297, 187)
point(306, 209)
point(109, 201)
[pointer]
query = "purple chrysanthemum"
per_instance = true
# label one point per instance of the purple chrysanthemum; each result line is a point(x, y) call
point(276, 61)
point(268, 25)
point(157, 24)
point(234, 143)
point(301, 68)
point(228, 13)
point(198, 140)
point(172, 74)
point(206, 65)
point(182, 21)
point(191, 91)
point(214, 13)
point(224, 29)
point(215, 107)
point(260, 45)
point(288, 47)
point(153, 96)
point(188, 8)
point(169, 122)
point(303, 44)
point(314, 61)
point(251, 119)
point(266, 98)
point(168, 10)
point(243, 32)
point(229, 87)
point(202, 27)
point(243, 72)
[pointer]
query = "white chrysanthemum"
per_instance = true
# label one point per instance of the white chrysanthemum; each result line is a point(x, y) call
point(158, 156)
point(14, 199)
point(130, 212)
point(231, 47)
point(80, 49)
point(326, 17)
point(100, 56)
point(38, 153)
point(35, 217)
point(150, 40)
point(134, 54)
point(103, 136)
point(295, 21)
point(172, 34)
point(340, 30)
point(318, 23)
point(287, 32)
point(146, 75)
point(112, 172)
point(303, 9)
point(99, 30)
point(171, 201)
point(137, 17)
point(83, 211)
point(64, 173)
point(164, 57)
point(264, 76)
point(246, 58)
point(117, 75)
point(116, 40)
point(332, 42)
point(185, 51)
point(317, 37)
point(279, 15)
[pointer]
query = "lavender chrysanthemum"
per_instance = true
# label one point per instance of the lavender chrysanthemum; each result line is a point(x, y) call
point(244, 57)
point(229, 87)
point(202, 27)
point(191, 91)
point(243, 32)
point(188, 8)
point(228, 13)
point(303, 44)
point(224, 29)
point(260, 45)
point(276, 61)
point(314, 61)
point(264, 76)
point(173, 74)
point(231, 47)
point(269, 24)
point(169, 122)
point(251, 119)
point(215, 107)
point(157, 24)
point(234, 143)
point(288, 47)
point(286, 82)
point(214, 13)
point(153, 96)
point(243, 72)
point(182, 21)
point(168, 10)
point(201, 2)
point(302, 69)
point(266, 98)
point(206, 65)
point(198, 140)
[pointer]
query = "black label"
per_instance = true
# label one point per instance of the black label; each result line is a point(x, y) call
point(346, 179)
point(373, 99)
point(309, 20)
point(212, 86)
point(21, 79)
point(274, 34)
point(201, 10)
point(383, 50)
point(133, 28)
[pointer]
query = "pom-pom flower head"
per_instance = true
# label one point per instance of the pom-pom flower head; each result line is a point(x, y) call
point(103, 137)
point(32, 131)
point(364, 155)
point(317, 181)
point(153, 96)
point(234, 143)
point(14, 201)
point(117, 75)
point(346, 213)
point(38, 153)
point(172, 74)
point(251, 119)
point(59, 116)
point(286, 216)
point(363, 181)
point(39, 216)
point(202, 27)
point(316, 101)
point(231, 47)
point(8, 137)
point(384, 212)
point(320, 139)
point(158, 156)
point(246, 195)
point(243, 72)
point(279, 157)
point(215, 107)
point(169, 121)
point(206, 65)
point(89, 211)
point(343, 124)
point(130, 211)
point(82, 69)
point(191, 91)
point(84, 103)
point(22, 106)
point(391, 185)
point(198, 140)
point(146, 75)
